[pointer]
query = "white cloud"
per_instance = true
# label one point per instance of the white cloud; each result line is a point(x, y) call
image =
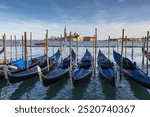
point(105, 29)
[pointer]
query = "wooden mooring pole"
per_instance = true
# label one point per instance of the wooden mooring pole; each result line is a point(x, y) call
point(143, 49)
point(11, 47)
point(61, 47)
point(93, 56)
point(26, 50)
point(4, 45)
point(47, 58)
point(108, 47)
point(95, 51)
point(53, 45)
point(77, 48)
point(132, 49)
point(71, 58)
point(121, 66)
point(125, 46)
point(147, 53)
point(31, 45)
point(16, 47)
point(22, 48)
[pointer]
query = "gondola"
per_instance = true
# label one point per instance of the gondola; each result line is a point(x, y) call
point(33, 71)
point(145, 53)
point(106, 68)
point(62, 71)
point(1, 51)
point(84, 71)
point(132, 70)
point(53, 60)
point(15, 67)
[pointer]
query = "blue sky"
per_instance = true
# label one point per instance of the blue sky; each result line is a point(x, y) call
point(82, 16)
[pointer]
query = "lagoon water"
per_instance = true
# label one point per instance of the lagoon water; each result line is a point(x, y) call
point(95, 89)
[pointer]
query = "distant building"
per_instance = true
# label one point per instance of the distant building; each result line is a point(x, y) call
point(88, 38)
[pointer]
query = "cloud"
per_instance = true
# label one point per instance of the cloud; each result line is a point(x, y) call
point(105, 29)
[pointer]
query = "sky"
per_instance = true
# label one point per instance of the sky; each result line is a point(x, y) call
point(81, 16)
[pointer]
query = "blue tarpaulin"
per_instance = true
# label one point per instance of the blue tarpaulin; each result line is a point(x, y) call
point(20, 63)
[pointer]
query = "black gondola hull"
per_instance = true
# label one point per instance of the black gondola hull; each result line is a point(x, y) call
point(108, 79)
point(48, 81)
point(146, 85)
point(79, 81)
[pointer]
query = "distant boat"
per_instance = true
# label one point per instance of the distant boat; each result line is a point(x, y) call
point(132, 70)
point(106, 68)
point(40, 44)
point(84, 71)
